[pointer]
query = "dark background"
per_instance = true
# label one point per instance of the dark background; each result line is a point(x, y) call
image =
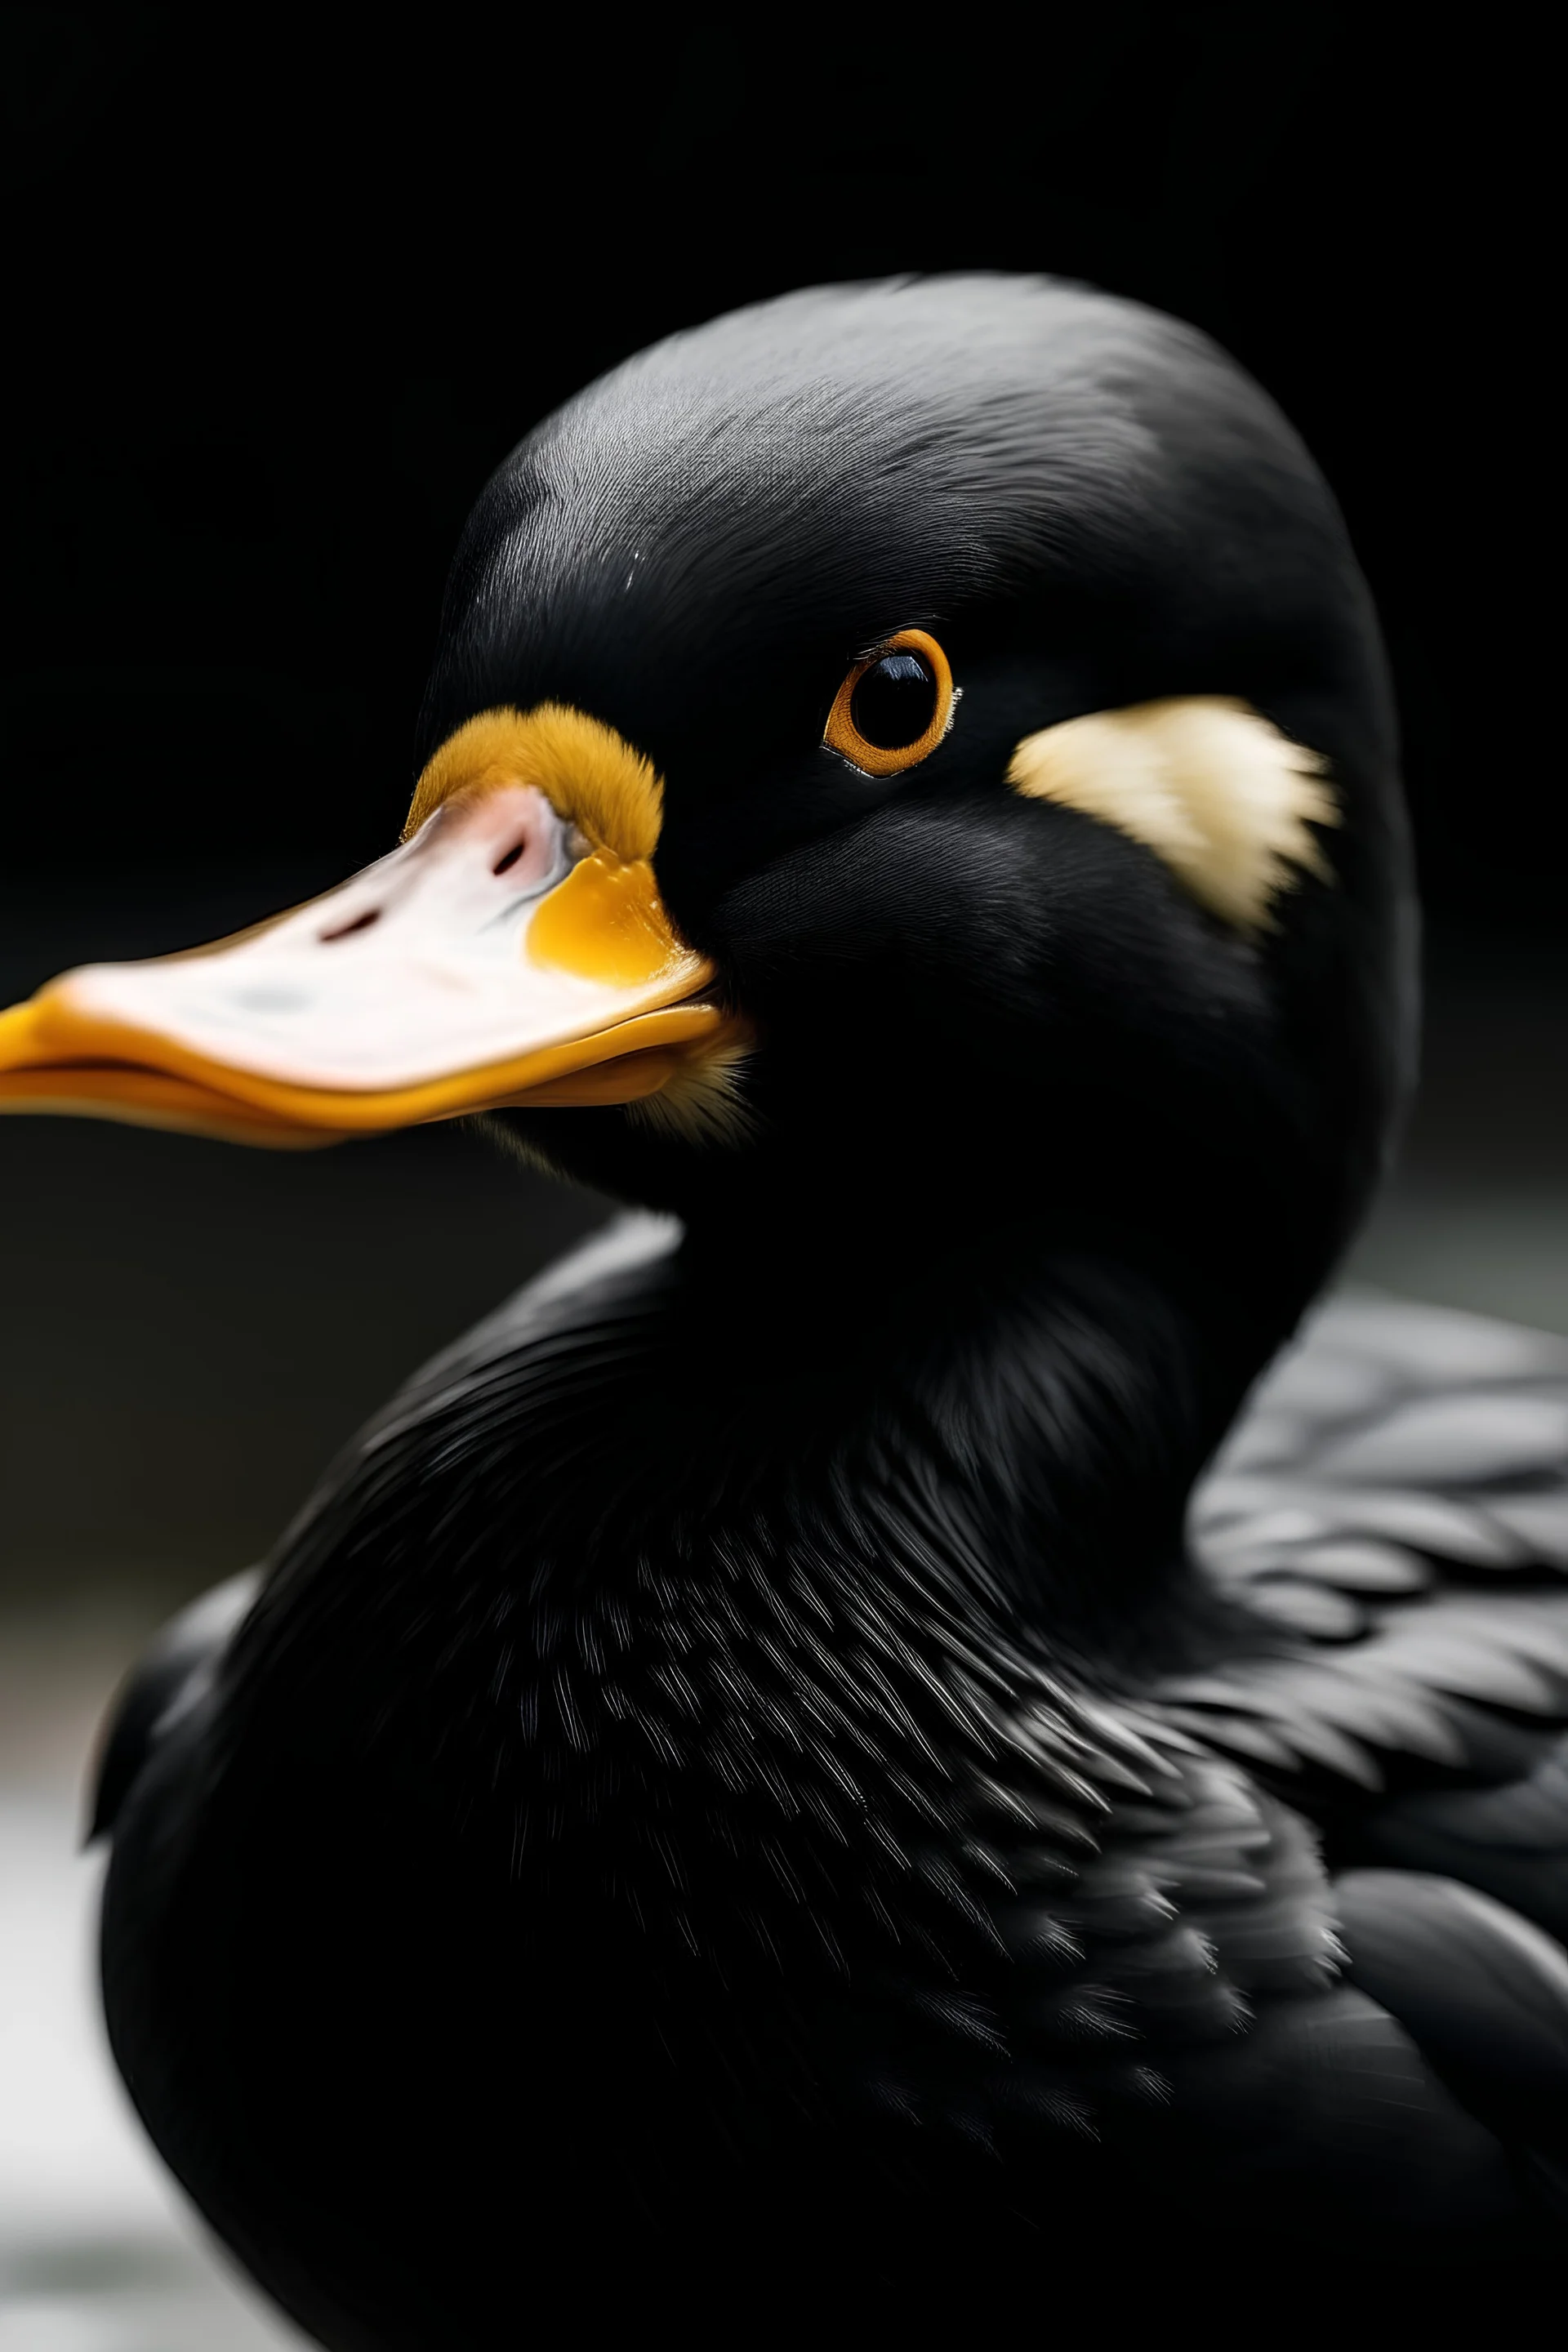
point(281, 291)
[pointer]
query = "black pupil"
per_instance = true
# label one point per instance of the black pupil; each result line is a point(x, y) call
point(895, 702)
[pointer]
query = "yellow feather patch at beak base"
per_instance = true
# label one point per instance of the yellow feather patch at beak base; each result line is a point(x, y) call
point(1206, 782)
point(586, 771)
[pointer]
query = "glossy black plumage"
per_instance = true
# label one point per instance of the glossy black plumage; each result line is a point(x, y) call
point(739, 1790)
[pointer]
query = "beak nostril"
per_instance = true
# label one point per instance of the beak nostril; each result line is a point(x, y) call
point(346, 931)
point(512, 855)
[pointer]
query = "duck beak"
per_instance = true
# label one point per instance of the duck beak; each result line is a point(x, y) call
point(496, 958)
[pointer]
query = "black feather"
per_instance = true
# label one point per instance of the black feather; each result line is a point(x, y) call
point(162, 1691)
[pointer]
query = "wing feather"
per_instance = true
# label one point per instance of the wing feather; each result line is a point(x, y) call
point(160, 1690)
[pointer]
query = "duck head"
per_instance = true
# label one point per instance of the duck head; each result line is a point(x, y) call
point(899, 759)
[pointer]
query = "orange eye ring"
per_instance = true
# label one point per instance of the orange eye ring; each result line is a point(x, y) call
point(842, 735)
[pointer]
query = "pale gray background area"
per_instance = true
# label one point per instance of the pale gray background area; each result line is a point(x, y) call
point(188, 1332)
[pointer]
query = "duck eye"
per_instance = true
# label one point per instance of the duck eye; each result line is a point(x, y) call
point(895, 709)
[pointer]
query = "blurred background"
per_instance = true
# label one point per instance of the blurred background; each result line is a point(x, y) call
point(281, 288)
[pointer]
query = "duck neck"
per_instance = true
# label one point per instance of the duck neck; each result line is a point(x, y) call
point(1023, 1415)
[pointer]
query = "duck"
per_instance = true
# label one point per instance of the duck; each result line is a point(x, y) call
point(919, 1729)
